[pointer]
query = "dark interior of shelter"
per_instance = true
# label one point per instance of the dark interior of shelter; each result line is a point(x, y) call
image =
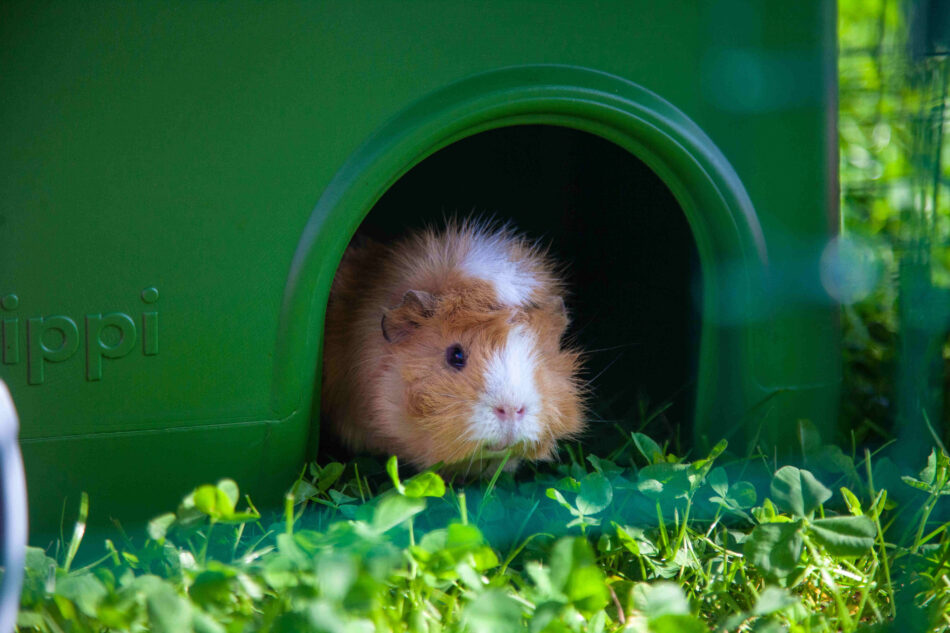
point(631, 260)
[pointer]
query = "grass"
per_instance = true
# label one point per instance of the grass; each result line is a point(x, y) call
point(644, 541)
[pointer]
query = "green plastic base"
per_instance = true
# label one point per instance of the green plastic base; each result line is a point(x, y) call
point(132, 477)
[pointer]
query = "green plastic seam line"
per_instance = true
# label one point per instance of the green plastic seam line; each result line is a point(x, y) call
point(223, 424)
point(682, 155)
point(14, 512)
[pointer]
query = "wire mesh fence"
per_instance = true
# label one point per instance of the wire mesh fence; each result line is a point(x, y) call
point(895, 194)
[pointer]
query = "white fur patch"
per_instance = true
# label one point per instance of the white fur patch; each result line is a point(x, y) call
point(487, 259)
point(509, 381)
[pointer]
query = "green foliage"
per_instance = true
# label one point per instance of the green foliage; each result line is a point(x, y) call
point(776, 545)
point(647, 542)
point(797, 492)
point(895, 209)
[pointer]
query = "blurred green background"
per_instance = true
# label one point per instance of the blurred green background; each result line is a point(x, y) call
point(895, 215)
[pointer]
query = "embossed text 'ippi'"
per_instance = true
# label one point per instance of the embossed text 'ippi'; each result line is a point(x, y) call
point(54, 339)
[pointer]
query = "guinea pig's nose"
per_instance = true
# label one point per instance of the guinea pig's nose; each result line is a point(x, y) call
point(510, 413)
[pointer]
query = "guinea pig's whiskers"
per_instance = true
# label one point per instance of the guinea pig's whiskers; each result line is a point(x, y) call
point(609, 365)
point(471, 462)
point(610, 349)
point(454, 451)
point(591, 320)
point(449, 409)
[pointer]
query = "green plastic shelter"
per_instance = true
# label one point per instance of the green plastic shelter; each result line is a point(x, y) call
point(178, 182)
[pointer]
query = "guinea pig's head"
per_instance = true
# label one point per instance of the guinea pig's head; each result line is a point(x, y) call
point(468, 378)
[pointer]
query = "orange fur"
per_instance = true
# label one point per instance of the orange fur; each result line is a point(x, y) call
point(400, 395)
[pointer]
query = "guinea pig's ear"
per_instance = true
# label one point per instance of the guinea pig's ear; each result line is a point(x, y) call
point(557, 305)
point(399, 322)
point(549, 316)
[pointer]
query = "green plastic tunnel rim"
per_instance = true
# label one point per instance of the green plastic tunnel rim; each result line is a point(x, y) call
point(708, 190)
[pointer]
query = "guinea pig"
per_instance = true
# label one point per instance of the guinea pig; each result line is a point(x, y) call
point(446, 347)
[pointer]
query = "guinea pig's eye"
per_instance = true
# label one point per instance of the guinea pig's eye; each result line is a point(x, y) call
point(455, 356)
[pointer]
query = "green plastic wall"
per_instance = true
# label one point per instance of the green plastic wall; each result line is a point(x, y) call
point(178, 182)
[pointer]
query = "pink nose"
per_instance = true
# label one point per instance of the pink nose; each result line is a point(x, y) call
point(509, 413)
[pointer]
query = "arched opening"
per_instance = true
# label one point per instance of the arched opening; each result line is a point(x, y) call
point(631, 259)
point(722, 224)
